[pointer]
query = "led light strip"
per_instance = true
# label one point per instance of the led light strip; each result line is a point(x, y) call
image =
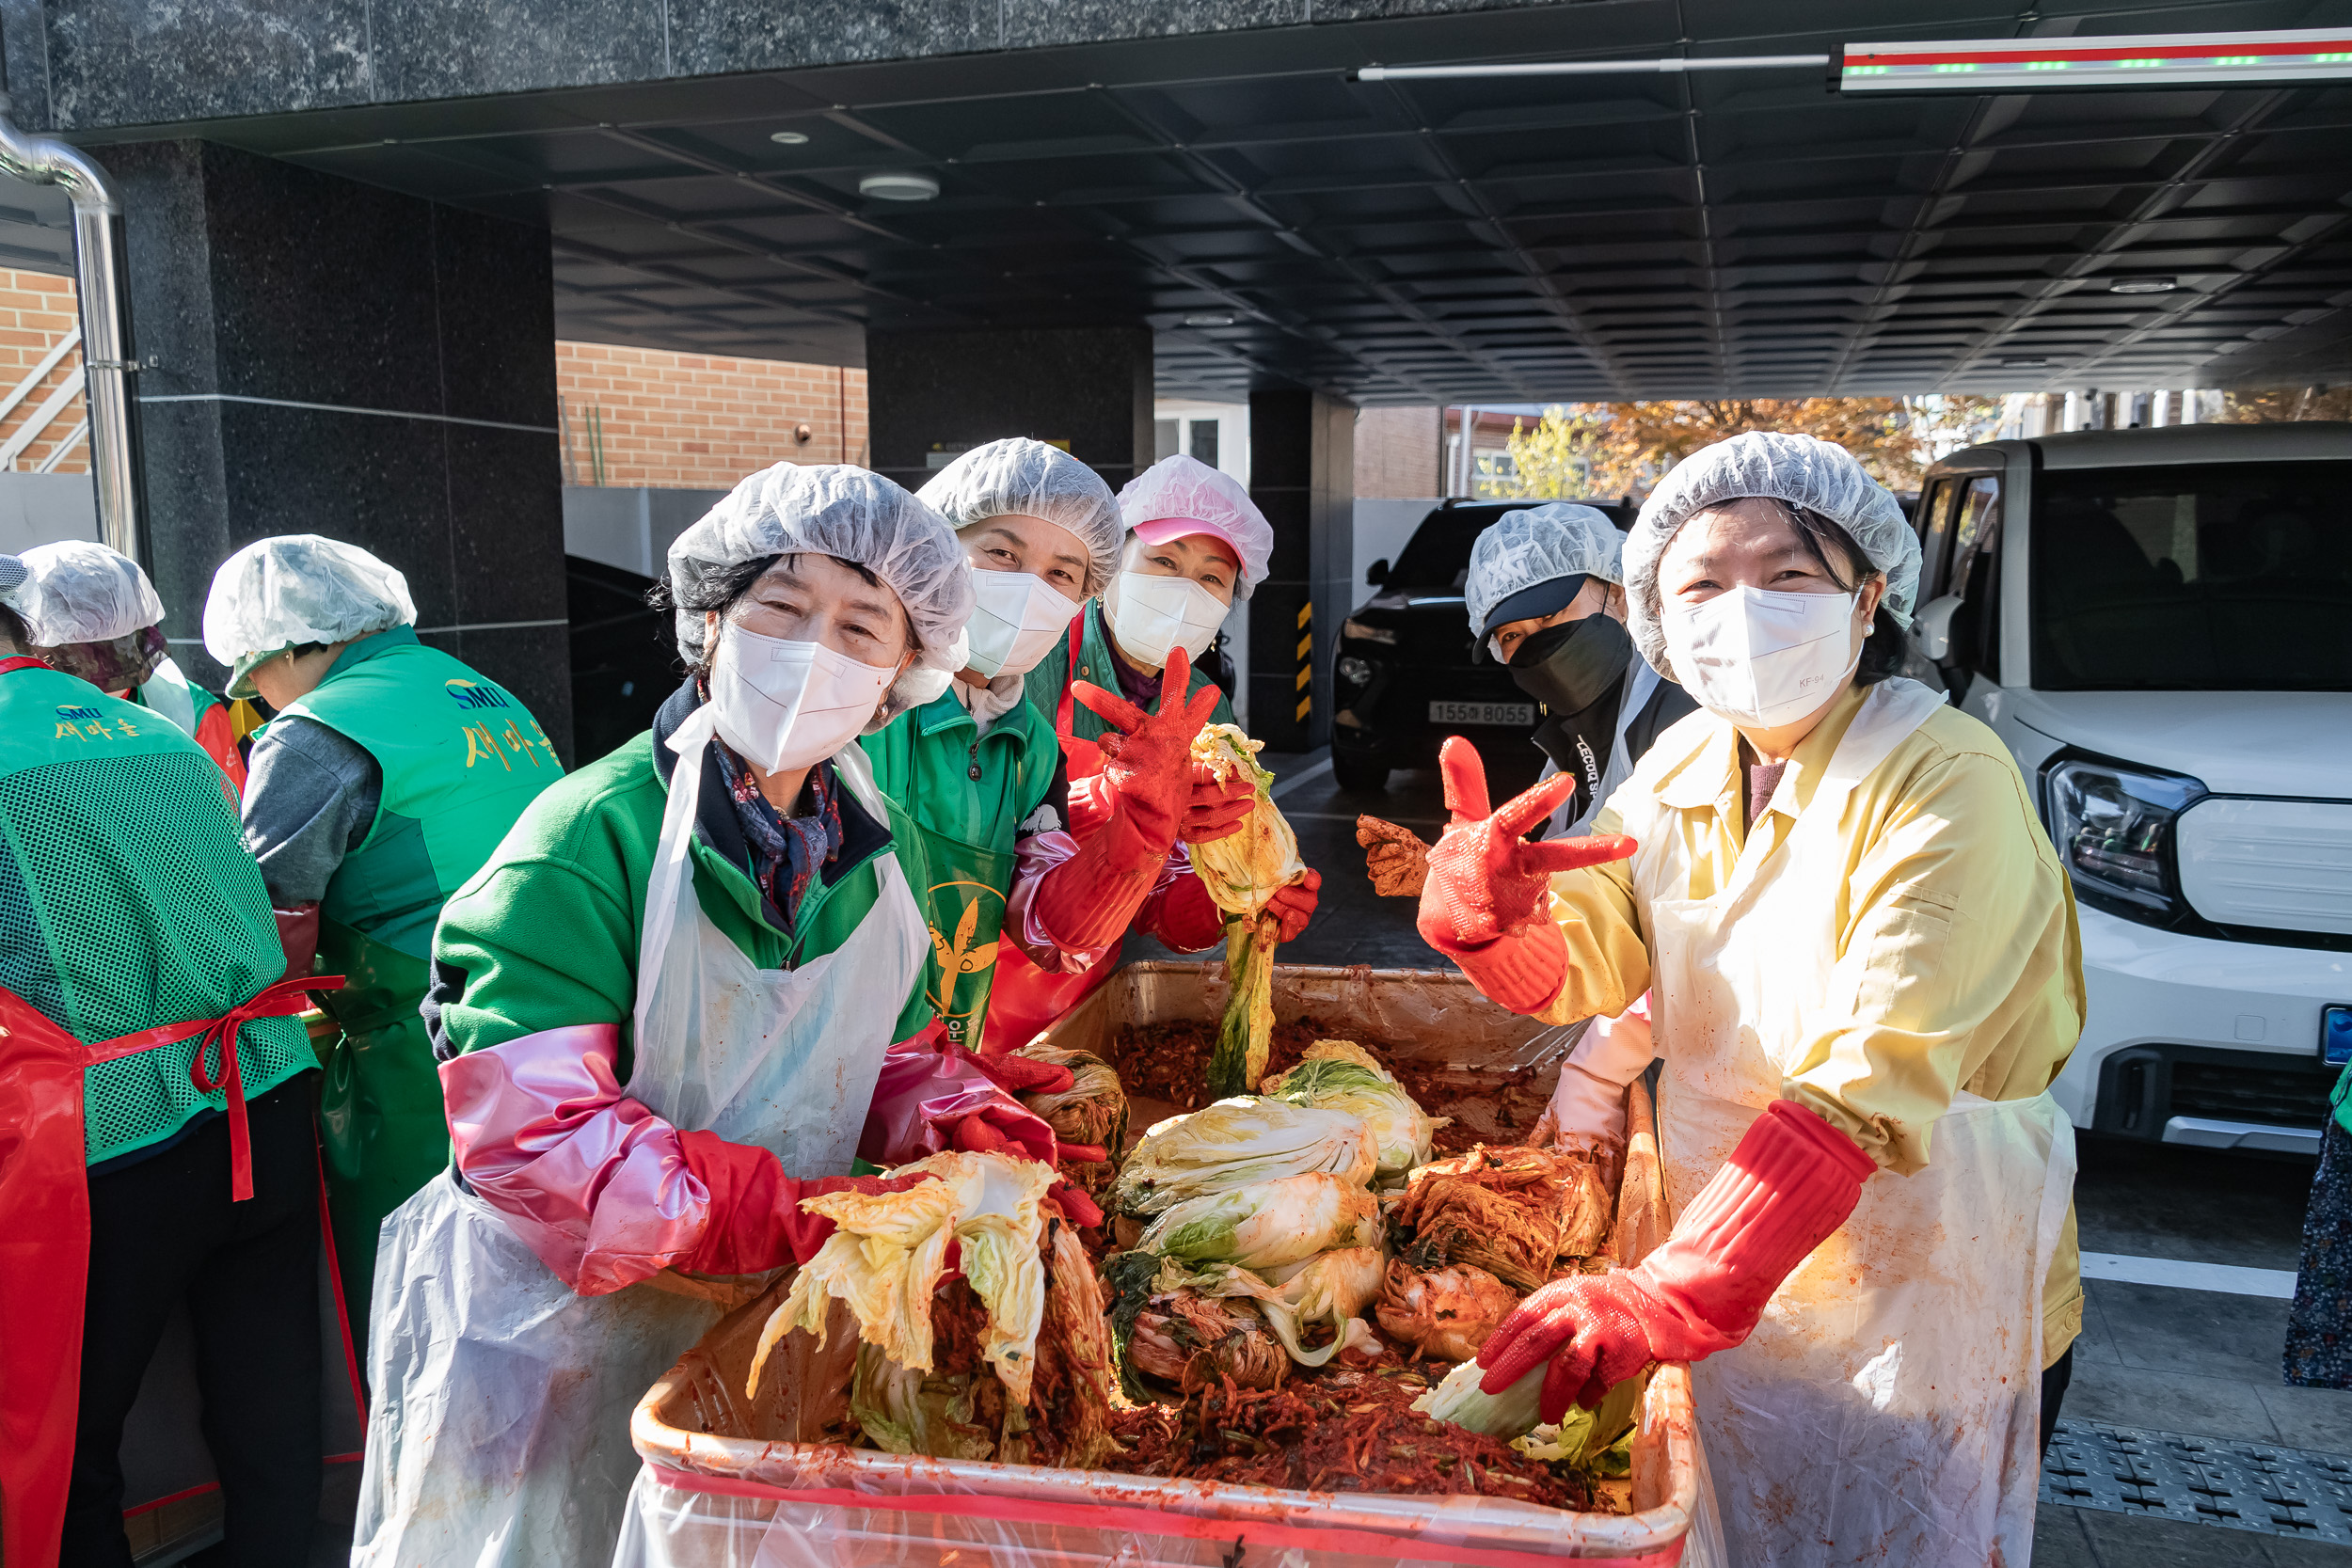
point(2158, 60)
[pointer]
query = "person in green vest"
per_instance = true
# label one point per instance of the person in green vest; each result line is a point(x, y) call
point(979, 770)
point(387, 776)
point(92, 611)
point(157, 1136)
point(1196, 543)
point(661, 1010)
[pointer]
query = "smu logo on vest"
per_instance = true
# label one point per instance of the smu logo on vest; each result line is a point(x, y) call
point(88, 723)
point(504, 746)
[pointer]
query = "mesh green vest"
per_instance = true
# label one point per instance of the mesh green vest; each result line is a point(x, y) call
point(461, 759)
point(127, 899)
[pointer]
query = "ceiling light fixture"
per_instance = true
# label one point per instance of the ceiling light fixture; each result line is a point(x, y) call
point(898, 185)
point(1210, 318)
point(789, 138)
point(2024, 364)
point(2142, 286)
point(2116, 61)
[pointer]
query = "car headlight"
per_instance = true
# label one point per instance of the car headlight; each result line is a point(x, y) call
point(1355, 672)
point(2115, 827)
point(1366, 632)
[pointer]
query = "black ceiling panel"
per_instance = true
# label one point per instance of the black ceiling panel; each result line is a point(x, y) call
point(1517, 239)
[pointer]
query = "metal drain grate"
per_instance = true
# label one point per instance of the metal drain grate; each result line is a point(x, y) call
point(2229, 1484)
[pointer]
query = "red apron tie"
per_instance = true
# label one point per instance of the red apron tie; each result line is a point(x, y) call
point(280, 999)
point(1085, 757)
point(21, 661)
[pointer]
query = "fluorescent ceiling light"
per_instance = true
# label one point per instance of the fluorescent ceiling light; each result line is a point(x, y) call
point(2142, 286)
point(1210, 318)
point(2024, 364)
point(899, 186)
point(2140, 60)
point(789, 138)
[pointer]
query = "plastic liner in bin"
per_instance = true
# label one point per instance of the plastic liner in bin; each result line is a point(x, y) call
point(727, 1482)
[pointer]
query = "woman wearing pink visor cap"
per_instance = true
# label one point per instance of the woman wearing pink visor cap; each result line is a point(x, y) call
point(1195, 544)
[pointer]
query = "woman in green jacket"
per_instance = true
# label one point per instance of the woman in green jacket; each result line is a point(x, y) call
point(389, 773)
point(661, 1010)
point(980, 770)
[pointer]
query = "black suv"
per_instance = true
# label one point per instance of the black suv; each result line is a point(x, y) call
point(1403, 676)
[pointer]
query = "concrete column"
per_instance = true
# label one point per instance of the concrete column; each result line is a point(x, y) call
point(339, 359)
point(1085, 389)
point(1302, 475)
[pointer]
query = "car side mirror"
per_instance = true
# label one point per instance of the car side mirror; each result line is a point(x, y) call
point(1932, 628)
point(1376, 575)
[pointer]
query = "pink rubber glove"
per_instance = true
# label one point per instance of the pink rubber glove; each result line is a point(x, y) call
point(1483, 903)
point(757, 1222)
point(1792, 1181)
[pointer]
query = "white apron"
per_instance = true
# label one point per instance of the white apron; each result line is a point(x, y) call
point(502, 1398)
point(1887, 1407)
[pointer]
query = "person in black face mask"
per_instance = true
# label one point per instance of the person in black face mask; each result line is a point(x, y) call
point(1546, 601)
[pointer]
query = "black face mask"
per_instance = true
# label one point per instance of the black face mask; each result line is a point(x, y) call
point(1572, 666)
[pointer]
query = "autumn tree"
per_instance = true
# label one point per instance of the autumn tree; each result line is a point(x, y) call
point(1620, 448)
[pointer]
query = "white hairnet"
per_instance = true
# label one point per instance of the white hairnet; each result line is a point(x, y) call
point(79, 592)
point(852, 514)
point(1559, 539)
point(1186, 488)
point(1819, 476)
point(1033, 480)
point(297, 588)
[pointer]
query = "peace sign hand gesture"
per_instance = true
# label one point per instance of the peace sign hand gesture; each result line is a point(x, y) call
point(1485, 880)
point(1147, 764)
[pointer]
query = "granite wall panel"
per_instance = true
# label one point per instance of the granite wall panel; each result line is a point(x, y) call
point(84, 65)
point(328, 352)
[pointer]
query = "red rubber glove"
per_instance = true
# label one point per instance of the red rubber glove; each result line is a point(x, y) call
point(1017, 1074)
point(977, 1134)
point(757, 1222)
point(1088, 899)
point(1293, 904)
point(1483, 903)
point(1793, 1180)
point(1078, 1208)
point(1214, 809)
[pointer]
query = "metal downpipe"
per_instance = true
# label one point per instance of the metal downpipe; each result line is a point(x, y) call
point(106, 365)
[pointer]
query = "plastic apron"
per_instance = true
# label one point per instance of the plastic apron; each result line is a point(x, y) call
point(1887, 1409)
point(501, 1431)
point(44, 1233)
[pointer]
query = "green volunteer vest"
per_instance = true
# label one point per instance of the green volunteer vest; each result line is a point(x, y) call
point(1052, 676)
point(461, 758)
point(126, 867)
point(966, 794)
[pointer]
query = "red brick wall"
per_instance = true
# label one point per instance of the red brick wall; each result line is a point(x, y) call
point(700, 420)
point(1396, 453)
point(35, 312)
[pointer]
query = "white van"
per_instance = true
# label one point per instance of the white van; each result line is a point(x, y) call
point(2158, 623)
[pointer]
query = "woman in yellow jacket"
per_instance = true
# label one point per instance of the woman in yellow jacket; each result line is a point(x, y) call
point(1865, 973)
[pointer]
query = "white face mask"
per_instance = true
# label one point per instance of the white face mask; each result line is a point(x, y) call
point(1762, 659)
point(1017, 617)
point(789, 704)
point(1155, 615)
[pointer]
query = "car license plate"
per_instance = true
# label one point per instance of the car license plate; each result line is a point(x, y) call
point(1481, 713)
point(2335, 1035)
